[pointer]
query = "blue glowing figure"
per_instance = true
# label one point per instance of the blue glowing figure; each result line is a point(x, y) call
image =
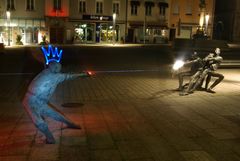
point(51, 54)
point(40, 90)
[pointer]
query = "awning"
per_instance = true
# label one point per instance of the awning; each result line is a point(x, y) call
point(149, 3)
point(163, 4)
point(135, 3)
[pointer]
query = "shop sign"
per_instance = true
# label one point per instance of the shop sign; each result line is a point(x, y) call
point(97, 17)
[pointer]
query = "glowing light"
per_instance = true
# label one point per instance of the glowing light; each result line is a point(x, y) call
point(90, 73)
point(51, 54)
point(40, 37)
point(84, 25)
point(8, 13)
point(207, 18)
point(114, 16)
point(178, 64)
point(201, 21)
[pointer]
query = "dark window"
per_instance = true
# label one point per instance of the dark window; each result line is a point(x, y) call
point(148, 10)
point(134, 9)
point(189, 8)
point(30, 5)
point(82, 6)
point(57, 4)
point(162, 10)
point(116, 8)
point(99, 7)
point(10, 5)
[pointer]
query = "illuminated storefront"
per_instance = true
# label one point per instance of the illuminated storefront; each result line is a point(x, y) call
point(154, 32)
point(95, 28)
point(30, 31)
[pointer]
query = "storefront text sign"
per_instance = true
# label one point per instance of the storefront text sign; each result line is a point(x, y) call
point(97, 17)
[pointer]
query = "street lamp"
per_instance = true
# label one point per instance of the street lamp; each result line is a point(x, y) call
point(114, 27)
point(206, 19)
point(8, 13)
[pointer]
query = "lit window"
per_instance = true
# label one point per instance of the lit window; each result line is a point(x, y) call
point(116, 7)
point(82, 6)
point(30, 5)
point(10, 5)
point(57, 5)
point(99, 7)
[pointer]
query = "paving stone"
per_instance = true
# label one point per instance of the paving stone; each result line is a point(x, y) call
point(13, 158)
point(221, 134)
point(74, 140)
point(19, 148)
point(197, 156)
point(68, 153)
point(99, 138)
point(46, 152)
point(105, 155)
point(133, 150)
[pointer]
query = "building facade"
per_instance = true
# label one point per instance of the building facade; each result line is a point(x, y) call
point(187, 16)
point(102, 21)
point(97, 21)
point(93, 21)
point(84, 21)
point(147, 21)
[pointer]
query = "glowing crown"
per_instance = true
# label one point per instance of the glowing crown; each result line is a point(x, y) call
point(51, 54)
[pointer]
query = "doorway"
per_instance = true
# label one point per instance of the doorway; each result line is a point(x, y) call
point(56, 35)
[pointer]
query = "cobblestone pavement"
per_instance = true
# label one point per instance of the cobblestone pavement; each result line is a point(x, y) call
point(126, 117)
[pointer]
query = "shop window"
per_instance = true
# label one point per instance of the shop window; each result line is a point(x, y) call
point(116, 7)
point(134, 9)
point(30, 5)
point(84, 33)
point(82, 6)
point(99, 7)
point(10, 5)
point(57, 5)
point(107, 33)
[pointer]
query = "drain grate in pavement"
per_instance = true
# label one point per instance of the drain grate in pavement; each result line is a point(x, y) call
point(72, 105)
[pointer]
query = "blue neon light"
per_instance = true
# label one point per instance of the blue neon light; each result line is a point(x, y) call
point(51, 54)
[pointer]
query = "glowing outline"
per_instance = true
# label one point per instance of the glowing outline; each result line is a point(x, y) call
point(55, 55)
